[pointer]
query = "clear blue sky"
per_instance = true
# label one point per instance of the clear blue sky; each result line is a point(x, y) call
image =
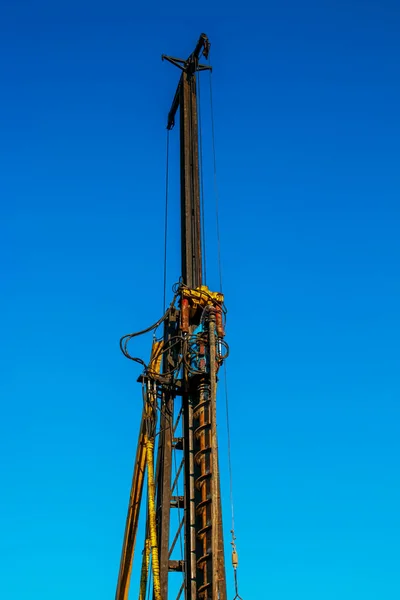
point(307, 100)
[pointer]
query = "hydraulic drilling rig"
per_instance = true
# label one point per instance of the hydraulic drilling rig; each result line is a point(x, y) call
point(179, 409)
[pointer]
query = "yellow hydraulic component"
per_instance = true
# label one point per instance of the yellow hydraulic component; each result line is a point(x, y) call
point(145, 570)
point(132, 519)
point(144, 456)
point(152, 520)
point(156, 356)
point(202, 296)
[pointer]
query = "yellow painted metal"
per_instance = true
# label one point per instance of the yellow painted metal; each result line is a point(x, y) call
point(152, 528)
point(202, 296)
point(132, 519)
point(156, 356)
point(144, 456)
point(145, 570)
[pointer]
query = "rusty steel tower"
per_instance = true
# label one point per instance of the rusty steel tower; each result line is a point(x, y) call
point(178, 424)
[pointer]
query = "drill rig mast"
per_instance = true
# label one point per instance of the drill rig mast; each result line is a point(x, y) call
point(179, 391)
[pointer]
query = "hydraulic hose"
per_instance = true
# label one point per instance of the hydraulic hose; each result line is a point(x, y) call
point(145, 570)
point(152, 520)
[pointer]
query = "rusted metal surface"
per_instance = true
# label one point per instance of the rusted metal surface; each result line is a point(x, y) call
point(185, 99)
point(184, 394)
point(190, 185)
point(189, 502)
point(218, 575)
point(164, 457)
point(204, 554)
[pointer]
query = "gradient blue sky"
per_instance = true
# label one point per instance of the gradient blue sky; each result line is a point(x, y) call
point(306, 99)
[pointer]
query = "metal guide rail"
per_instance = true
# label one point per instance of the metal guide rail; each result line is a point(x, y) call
point(179, 387)
point(183, 532)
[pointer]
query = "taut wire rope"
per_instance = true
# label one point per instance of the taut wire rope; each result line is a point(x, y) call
point(166, 222)
point(215, 183)
point(203, 229)
point(233, 542)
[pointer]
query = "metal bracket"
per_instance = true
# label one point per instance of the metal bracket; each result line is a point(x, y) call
point(184, 64)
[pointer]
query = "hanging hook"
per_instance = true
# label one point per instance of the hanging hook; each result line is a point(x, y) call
point(235, 562)
point(237, 597)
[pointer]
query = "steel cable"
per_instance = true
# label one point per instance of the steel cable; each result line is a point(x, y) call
point(234, 553)
point(215, 183)
point(203, 229)
point(166, 221)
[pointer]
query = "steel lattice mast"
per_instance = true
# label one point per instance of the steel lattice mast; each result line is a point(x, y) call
point(179, 385)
